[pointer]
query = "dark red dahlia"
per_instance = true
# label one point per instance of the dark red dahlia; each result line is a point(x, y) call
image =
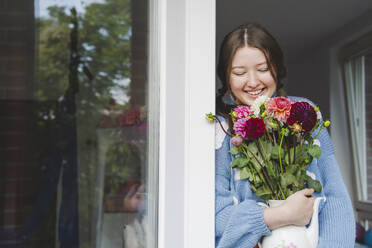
point(250, 128)
point(304, 114)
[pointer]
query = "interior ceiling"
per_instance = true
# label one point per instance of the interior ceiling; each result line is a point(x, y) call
point(296, 24)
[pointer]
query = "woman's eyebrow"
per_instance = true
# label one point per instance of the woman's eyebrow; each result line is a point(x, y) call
point(263, 63)
point(238, 66)
point(242, 67)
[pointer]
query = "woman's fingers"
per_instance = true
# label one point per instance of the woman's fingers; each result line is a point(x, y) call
point(308, 192)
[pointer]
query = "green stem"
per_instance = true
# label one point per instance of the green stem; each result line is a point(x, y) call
point(246, 154)
point(274, 138)
point(250, 166)
point(294, 149)
point(289, 151)
point(280, 157)
point(264, 172)
point(281, 191)
point(223, 129)
point(262, 152)
point(320, 129)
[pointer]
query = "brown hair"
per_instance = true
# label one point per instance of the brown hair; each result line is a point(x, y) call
point(252, 35)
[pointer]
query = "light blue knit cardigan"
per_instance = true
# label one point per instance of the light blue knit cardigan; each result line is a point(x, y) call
point(239, 219)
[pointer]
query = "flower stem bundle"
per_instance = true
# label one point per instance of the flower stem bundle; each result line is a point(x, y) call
point(273, 145)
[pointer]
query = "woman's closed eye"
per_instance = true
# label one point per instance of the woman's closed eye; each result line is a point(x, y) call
point(239, 73)
point(263, 69)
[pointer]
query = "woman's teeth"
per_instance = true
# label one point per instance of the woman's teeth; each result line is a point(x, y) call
point(256, 92)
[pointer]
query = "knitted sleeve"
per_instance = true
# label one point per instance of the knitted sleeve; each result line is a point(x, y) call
point(236, 224)
point(336, 220)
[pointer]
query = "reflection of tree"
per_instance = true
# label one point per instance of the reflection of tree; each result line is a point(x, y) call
point(104, 49)
point(102, 64)
point(122, 175)
point(122, 168)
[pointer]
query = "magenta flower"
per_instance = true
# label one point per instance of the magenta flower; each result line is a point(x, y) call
point(236, 140)
point(304, 114)
point(242, 111)
point(279, 108)
point(249, 129)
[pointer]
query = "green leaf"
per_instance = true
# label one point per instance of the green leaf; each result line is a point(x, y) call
point(257, 179)
point(267, 149)
point(289, 192)
point(291, 169)
point(253, 148)
point(311, 183)
point(315, 151)
point(235, 150)
point(292, 152)
point(245, 173)
point(275, 152)
point(287, 179)
point(270, 169)
point(253, 188)
point(301, 154)
point(264, 192)
point(257, 163)
point(239, 162)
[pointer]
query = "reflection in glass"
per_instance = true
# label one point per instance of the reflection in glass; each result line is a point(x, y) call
point(368, 96)
point(74, 124)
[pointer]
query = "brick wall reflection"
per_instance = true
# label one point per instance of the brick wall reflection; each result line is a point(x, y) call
point(139, 51)
point(20, 172)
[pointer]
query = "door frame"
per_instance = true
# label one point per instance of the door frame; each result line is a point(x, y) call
point(183, 48)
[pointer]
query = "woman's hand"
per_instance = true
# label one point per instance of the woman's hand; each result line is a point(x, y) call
point(297, 209)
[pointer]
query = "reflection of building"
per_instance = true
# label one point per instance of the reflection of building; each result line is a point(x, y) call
point(20, 170)
point(27, 126)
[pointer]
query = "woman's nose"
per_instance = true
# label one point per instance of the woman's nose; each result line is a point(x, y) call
point(252, 80)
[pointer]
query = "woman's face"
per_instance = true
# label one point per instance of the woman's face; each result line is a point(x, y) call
point(250, 76)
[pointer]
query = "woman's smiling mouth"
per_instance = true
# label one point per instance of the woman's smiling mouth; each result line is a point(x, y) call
point(255, 93)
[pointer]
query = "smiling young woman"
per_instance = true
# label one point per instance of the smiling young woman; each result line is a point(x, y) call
point(251, 65)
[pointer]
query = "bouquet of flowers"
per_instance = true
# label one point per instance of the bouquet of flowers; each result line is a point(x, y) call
point(273, 145)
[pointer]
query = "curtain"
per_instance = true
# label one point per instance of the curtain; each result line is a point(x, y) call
point(355, 96)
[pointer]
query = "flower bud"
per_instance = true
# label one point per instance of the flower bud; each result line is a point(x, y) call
point(210, 117)
point(263, 115)
point(236, 140)
point(327, 123)
point(316, 109)
point(274, 125)
point(284, 131)
point(234, 114)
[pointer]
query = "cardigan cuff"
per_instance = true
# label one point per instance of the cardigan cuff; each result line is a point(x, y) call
point(256, 217)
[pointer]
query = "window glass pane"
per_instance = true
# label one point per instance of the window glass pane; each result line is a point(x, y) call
point(74, 139)
point(368, 92)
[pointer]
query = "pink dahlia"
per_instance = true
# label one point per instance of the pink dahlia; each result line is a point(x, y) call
point(242, 111)
point(249, 129)
point(279, 107)
point(304, 114)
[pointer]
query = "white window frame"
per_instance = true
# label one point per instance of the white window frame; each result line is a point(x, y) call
point(354, 51)
point(182, 61)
